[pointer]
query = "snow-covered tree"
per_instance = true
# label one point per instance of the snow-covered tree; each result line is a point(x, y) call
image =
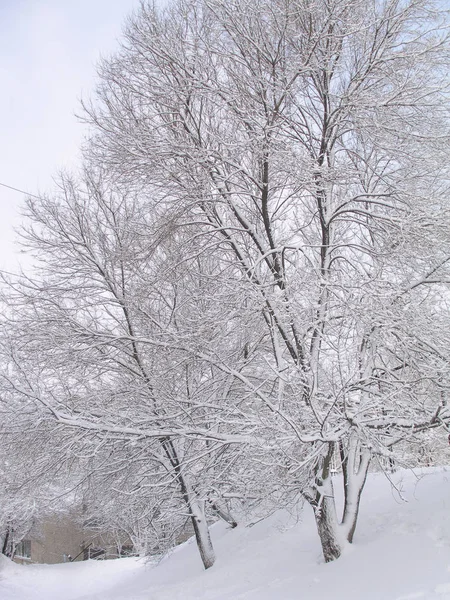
point(308, 142)
point(25, 473)
point(149, 416)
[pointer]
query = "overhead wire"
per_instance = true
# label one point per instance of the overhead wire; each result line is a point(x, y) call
point(17, 190)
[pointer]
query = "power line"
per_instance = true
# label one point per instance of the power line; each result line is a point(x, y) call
point(20, 191)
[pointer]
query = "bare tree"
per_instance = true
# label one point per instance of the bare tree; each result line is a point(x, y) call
point(29, 472)
point(70, 347)
point(306, 142)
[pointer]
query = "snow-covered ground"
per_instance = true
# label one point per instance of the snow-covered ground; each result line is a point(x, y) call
point(401, 552)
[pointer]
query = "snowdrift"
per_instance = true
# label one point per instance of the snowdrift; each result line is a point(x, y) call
point(401, 552)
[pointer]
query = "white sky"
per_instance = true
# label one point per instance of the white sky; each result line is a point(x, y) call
point(48, 51)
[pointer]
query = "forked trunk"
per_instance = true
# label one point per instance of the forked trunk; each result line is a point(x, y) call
point(332, 533)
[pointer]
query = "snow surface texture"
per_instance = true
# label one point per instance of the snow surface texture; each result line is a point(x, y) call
point(401, 552)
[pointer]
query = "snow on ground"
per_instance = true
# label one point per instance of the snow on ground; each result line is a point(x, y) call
point(401, 552)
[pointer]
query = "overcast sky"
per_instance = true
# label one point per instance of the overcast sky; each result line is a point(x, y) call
point(48, 51)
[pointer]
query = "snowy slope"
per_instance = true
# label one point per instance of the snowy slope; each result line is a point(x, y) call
point(401, 552)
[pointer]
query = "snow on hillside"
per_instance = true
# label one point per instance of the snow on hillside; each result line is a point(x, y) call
point(401, 552)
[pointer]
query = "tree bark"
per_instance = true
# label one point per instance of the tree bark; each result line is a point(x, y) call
point(224, 515)
point(323, 504)
point(355, 465)
point(328, 530)
point(202, 534)
point(354, 481)
point(7, 548)
point(195, 507)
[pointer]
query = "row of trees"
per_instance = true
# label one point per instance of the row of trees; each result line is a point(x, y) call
point(249, 278)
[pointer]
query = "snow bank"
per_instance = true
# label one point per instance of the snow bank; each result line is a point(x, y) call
point(401, 552)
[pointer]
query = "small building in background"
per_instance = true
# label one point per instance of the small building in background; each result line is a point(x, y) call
point(64, 537)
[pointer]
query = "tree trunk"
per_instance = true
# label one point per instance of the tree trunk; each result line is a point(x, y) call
point(202, 534)
point(328, 529)
point(323, 504)
point(224, 515)
point(195, 507)
point(7, 547)
point(355, 466)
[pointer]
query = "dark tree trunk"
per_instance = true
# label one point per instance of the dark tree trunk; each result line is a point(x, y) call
point(224, 515)
point(322, 502)
point(7, 545)
point(327, 528)
point(355, 464)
